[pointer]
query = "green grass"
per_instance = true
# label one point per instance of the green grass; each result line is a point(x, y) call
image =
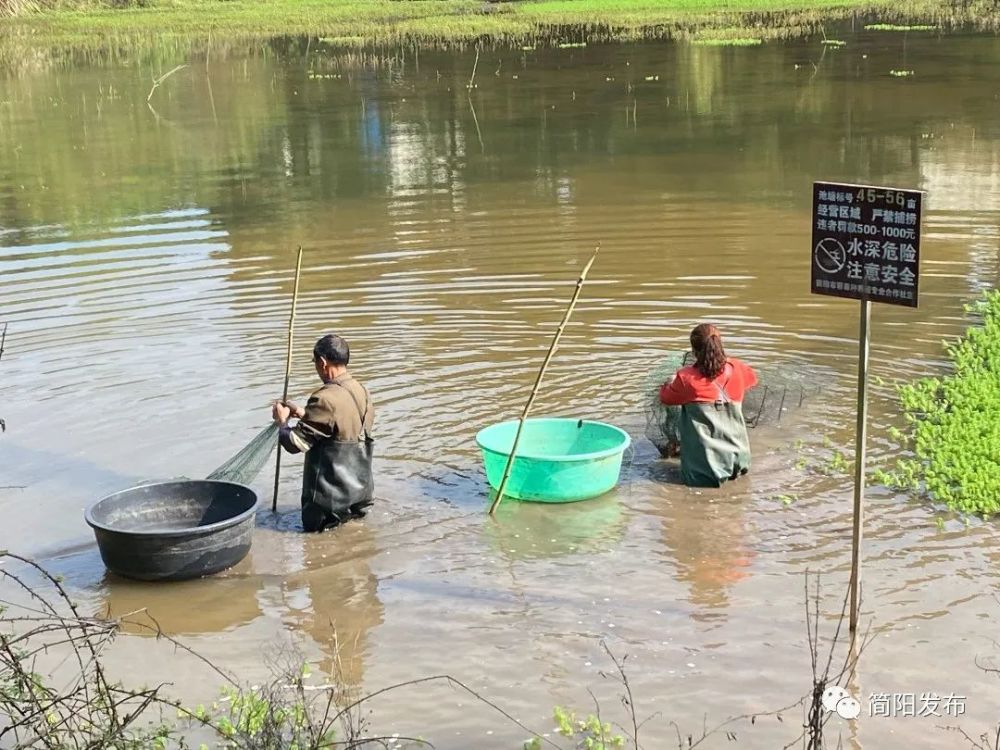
point(955, 423)
point(92, 23)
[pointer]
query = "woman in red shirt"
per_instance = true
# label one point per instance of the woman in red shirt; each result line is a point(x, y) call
point(713, 433)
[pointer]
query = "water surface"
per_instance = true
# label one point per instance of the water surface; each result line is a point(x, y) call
point(146, 255)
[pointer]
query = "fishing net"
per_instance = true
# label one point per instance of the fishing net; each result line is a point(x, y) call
point(245, 465)
point(778, 391)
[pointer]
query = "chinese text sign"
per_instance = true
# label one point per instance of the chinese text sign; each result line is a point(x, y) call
point(866, 242)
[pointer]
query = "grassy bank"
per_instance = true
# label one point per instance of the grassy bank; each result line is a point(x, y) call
point(358, 22)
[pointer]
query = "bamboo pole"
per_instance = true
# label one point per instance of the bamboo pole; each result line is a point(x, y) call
point(538, 380)
point(288, 371)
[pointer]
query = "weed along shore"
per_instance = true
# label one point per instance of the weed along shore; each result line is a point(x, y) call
point(448, 22)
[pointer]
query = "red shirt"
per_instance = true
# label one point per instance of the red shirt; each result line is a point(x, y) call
point(690, 386)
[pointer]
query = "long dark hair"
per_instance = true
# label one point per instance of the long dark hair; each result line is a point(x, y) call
point(709, 356)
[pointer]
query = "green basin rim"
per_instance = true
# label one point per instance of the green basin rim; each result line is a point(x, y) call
point(559, 458)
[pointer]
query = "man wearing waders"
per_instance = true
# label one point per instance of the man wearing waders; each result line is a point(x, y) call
point(714, 444)
point(334, 431)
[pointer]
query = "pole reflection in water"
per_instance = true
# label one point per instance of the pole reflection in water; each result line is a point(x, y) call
point(334, 599)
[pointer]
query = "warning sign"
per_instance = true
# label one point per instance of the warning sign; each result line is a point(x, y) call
point(866, 242)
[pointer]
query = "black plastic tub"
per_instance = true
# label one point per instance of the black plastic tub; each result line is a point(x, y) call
point(170, 531)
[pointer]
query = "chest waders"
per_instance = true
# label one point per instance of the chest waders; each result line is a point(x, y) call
point(714, 441)
point(337, 481)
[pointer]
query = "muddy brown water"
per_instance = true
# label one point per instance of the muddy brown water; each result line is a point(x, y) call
point(146, 256)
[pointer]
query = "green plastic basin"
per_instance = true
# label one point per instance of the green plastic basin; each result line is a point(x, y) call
point(559, 460)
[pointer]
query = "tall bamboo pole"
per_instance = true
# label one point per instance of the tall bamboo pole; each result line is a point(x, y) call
point(288, 371)
point(538, 380)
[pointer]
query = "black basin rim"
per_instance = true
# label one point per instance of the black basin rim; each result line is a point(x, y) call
point(191, 531)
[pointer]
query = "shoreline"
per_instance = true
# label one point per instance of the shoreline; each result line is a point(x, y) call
point(446, 23)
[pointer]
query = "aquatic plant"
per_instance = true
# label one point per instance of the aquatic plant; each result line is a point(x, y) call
point(899, 27)
point(590, 733)
point(344, 41)
point(90, 23)
point(736, 42)
point(954, 422)
point(837, 463)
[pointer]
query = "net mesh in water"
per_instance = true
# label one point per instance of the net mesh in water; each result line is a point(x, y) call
point(779, 390)
point(245, 465)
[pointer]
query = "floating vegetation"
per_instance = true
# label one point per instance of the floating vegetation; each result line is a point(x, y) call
point(955, 423)
point(901, 73)
point(572, 45)
point(897, 27)
point(837, 463)
point(343, 41)
point(736, 42)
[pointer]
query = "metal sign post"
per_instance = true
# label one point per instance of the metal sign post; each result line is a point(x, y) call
point(865, 246)
point(859, 461)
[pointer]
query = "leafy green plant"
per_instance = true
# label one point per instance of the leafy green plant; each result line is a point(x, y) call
point(954, 422)
point(837, 463)
point(588, 734)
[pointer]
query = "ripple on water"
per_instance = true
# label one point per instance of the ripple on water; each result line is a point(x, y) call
point(157, 339)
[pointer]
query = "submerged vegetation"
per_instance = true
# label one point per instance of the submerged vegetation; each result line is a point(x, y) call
point(100, 22)
point(955, 423)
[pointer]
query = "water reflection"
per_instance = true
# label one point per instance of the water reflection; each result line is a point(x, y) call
point(538, 531)
point(208, 605)
point(334, 599)
point(443, 240)
point(705, 534)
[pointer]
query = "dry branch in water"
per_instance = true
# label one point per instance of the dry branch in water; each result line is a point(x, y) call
point(161, 79)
